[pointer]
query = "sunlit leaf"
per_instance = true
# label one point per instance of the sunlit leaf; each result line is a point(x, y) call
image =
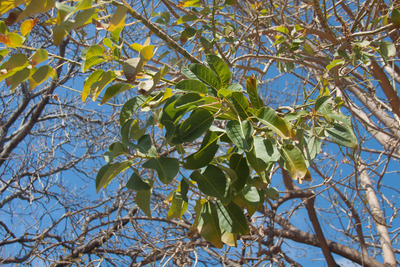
point(252, 91)
point(109, 172)
point(206, 75)
point(178, 206)
point(114, 90)
point(146, 53)
point(241, 134)
point(263, 153)
point(241, 104)
point(63, 12)
point(342, 135)
point(84, 17)
point(93, 78)
point(98, 86)
point(294, 162)
point(118, 18)
point(130, 108)
point(41, 75)
point(6, 5)
point(27, 26)
point(39, 56)
point(220, 68)
point(277, 124)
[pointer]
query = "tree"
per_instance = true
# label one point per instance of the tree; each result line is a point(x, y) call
point(242, 102)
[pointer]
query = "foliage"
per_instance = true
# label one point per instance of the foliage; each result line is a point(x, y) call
point(202, 129)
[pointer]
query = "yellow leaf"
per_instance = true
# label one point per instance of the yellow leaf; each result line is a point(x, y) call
point(136, 47)
point(6, 5)
point(27, 26)
point(147, 52)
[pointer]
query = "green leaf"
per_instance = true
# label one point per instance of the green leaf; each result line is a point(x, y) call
point(118, 18)
point(35, 7)
point(387, 49)
point(83, 4)
point(205, 154)
point(294, 161)
point(308, 49)
point(263, 153)
point(193, 127)
point(395, 17)
point(220, 68)
point(322, 101)
point(342, 135)
point(109, 172)
point(177, 106)
point(208, 224)
point(85, 17)
point(252, 91)
point(143, 201)
point(241, 134)
point(186, 18)
point(39, 56)
point(93, 78)
point(272, 193)
point(98, 86)
point(19, 77)
point(166, 168)
point(238, 163)
point(191, 85)
point(277, 124)
point(313, 148)
point(114, 150)
point(92, 61)
point(15, 63)
point(213, 182)
point(187, 34)
point(41, 75)
point(283, 30)
point(178, 207)
point(130, 108)
point(114, 90)
point(232, 219)
point(131, 67)
point(136, 183)
point(252, 199)
point(63, 12)
point(206, 75)
point(241, 104)
point(59, 32)
point(335, 63)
